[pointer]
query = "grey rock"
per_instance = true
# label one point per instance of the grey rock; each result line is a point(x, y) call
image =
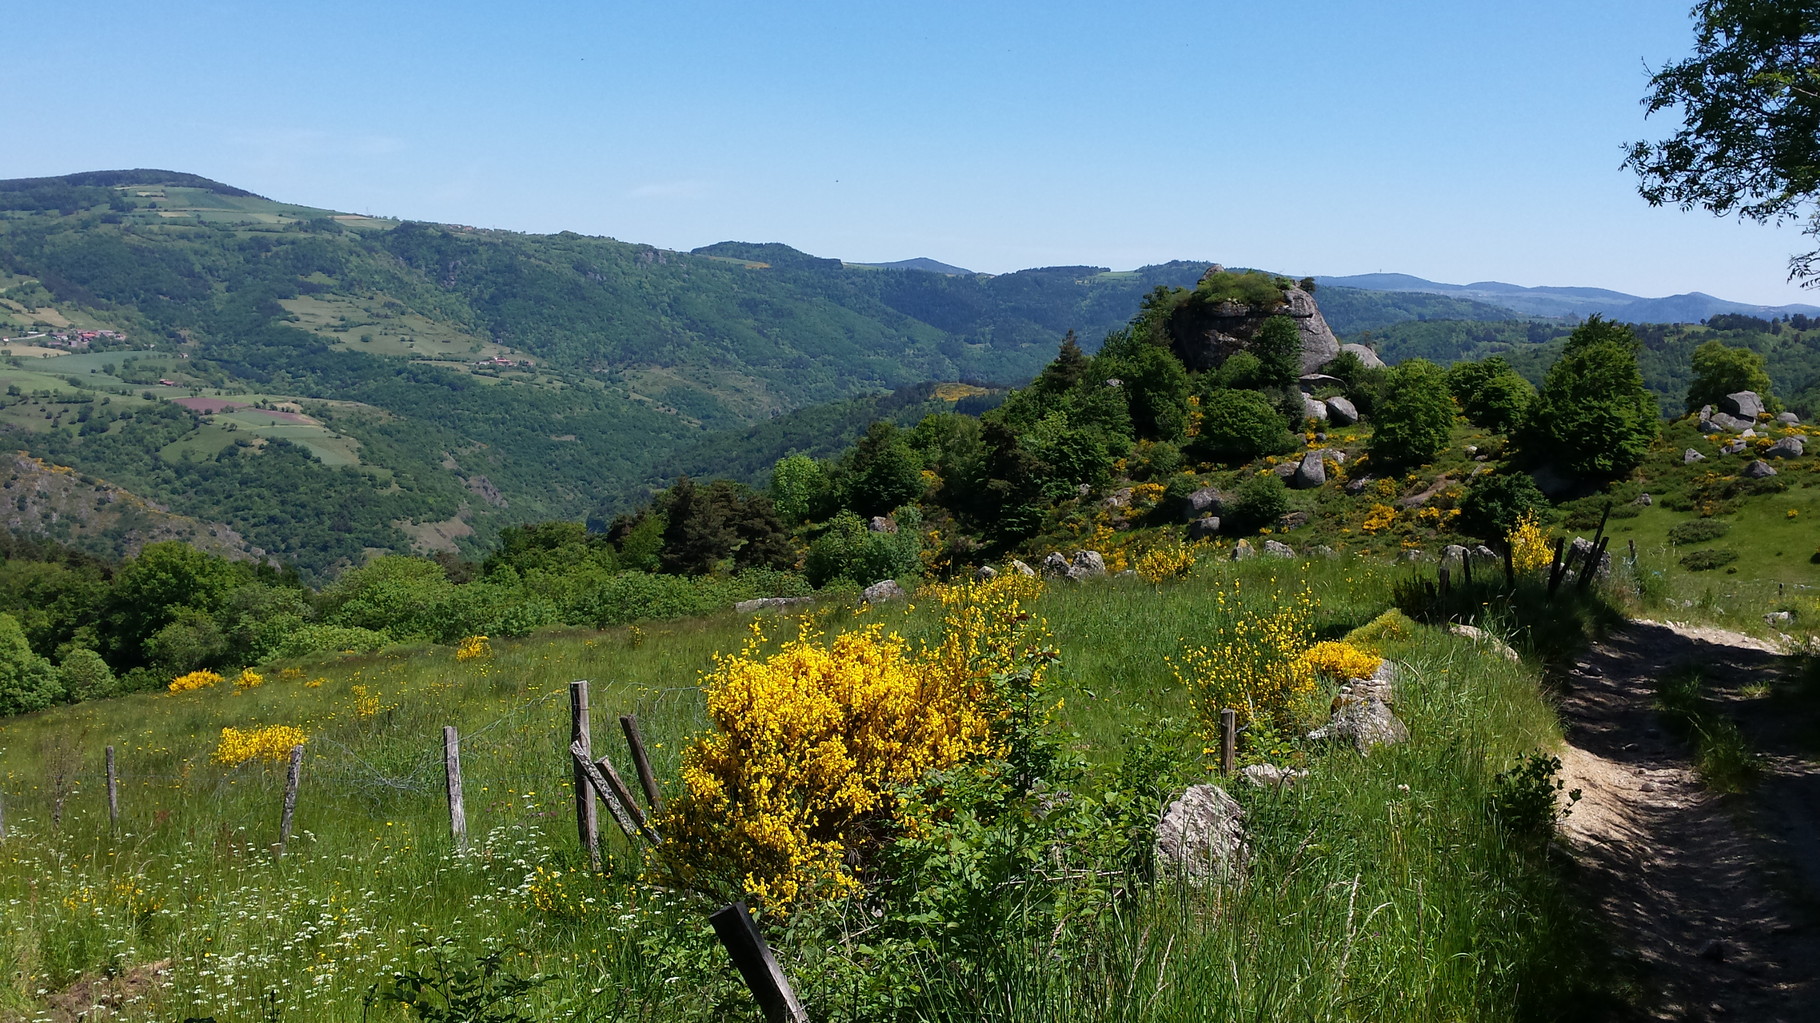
point(1357, 484)
point(1316, 381)
point(1727, 422)
point(1230, 327)
point(1117, 500)
point(1205, 501)
point(1292, 520)
point(1453, 554)
point(1129, 573)
point(1083, 490)
point(1363, 721)
point(1311, 473)
point(985, 573)
point(1367, 358)
point(1690, 456)
point(1284, 469)
point(770, 603)
point(1020, 568)
point(1743, 404)
point(1314, 408)
point(1787, 447)
point(1203, 528)
point(1243, 551)
point(1342, 412)
point(1580, 551)
point(1055, 566)
point(1487, 640)
point(1089, 564)
point(1270, 776)
point(1759, 469)
point(1788, 419)
point(1735, 447)
point(883, 590)
point(1484, 553)
point(1708, 426)
point(1644, 501)
point(1201, 837)
point(882, 524)
point(1412, 555)
point(1277, 549)
point(1323, 551)
point(1778, 618)
point(1748, 433)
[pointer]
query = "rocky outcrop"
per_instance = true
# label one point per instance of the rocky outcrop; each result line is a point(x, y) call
point(1759, 469)
point(1367, 358)
point(1746, 405)
point(1311, 473)
point(1314, 408)
point(1204, 334)
point(1787, 447)
point(1341, 412)
point(1201, 837)
point(55, 501)
point(1365, 722)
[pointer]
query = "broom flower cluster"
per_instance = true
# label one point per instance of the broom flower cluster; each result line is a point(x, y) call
point(272, 742)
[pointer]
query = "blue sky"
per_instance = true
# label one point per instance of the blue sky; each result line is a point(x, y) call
point(1459, 142)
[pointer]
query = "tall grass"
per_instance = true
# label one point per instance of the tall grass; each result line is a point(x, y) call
point(1379, 889)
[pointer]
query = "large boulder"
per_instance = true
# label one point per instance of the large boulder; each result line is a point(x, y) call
point(1788, 419)
point(1690, 456)
point(1787, 447)
point(1365, 722)
point(1721, 422)
point(1020, 568)
point(1087, 565)
point(1743, 404)
point(1278, 549)
point(1367, 358)
point(1203, 502)
point(1243, 551)
point(1216, 330)
point(1341, 411)
point(1055, 566)
point(985, 574)
point(883, 590)
point(1204, 528)
point(1759, 469)
point(1314, 408)
point(1311, 382)
point(1201, 837)
point(1311, 473)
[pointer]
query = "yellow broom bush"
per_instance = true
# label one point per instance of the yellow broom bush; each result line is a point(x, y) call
point(1255, 664)
point(273, 742)
point(194, 680)
point(793, 790)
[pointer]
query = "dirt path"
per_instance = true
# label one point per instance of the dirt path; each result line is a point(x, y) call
point(1717, 897)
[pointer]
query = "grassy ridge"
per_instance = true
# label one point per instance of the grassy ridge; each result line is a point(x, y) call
point(1381, 889)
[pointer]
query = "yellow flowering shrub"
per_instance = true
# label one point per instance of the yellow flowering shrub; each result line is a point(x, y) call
point(1341, 660)
point(273, 742)
point(366, 702)
point(1165, 561)
point(1529, 548)
point(1381, 516)
point(793, 788)
point(472, 648)
point(1256, 663)
point(194, 680)
point(248, 679)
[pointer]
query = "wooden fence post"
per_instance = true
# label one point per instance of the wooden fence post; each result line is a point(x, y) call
point(290, 799)
point(451, 762)
point(756, 965)
point(1510, 566)
point(1444, 576)
point(615, 794)
point(113, 792)
point(1229, 739)
point(1466, 569)
point(1594, 561)
point(1558, 567)
point(654, 799)
point(587, 825)
point(2, 816)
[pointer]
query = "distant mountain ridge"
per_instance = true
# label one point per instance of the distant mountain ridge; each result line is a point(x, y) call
point(934, 266)
point(1570, 301)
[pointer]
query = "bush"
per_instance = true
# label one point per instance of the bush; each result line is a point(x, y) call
point(1495, 502)
point(849, 550)
point(1414, 416)
point(318, 638)
point(1697, 531)
point(1238, 426)
point(1260, 500)
point(27, 681)
point(85, 676)
point(1709, 558)
point(1523, 798)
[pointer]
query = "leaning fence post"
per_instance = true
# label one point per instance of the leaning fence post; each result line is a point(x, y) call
point(1558, 567)
point(290, 799)
point(615, 794)
point(756, 965)
point(1229, 738)
point(628, 723)
point(587, 825)
point(1593, 563)
point(451, 762)
point(113, 791)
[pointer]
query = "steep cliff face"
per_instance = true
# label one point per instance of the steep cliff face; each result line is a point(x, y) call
point(1224, 312)
point(55, 501)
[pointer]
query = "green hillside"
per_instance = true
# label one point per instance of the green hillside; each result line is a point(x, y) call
point(434, 383)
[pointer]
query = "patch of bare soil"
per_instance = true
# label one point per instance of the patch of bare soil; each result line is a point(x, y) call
point(1716, 897)
point(99, 998)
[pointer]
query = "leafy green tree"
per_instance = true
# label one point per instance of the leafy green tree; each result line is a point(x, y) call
point(83, 675)
point(1720, 369)
point(1593, 418)
point(1494, 502)
point(27, 681)
point(1062, 374)
point(880, 472)
point(1238, 426)
point(800, 490)
point(1749, 100)
point(153, 589)
point(1156, 388)
point(1278, 346)
point(1490, 393)
point(848, 550)
point(1414, 416)
point(698, 530)
point(639, 539)
point(405, 598)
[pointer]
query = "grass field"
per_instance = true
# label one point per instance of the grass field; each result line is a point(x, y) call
point(1379, 889)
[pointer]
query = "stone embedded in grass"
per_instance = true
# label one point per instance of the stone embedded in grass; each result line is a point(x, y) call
point(1787, 447)
point(1310, 473)
point(1243, 550)
point(770, 603)
point(1204, 528)
point(1480, 636)
point(1021, 569)
point(1278, 549)
point(1690, 456)
point(1363, 721)
point(1270, 776)
point(1201, 837)
point(1759, 469)
point(883, 590)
